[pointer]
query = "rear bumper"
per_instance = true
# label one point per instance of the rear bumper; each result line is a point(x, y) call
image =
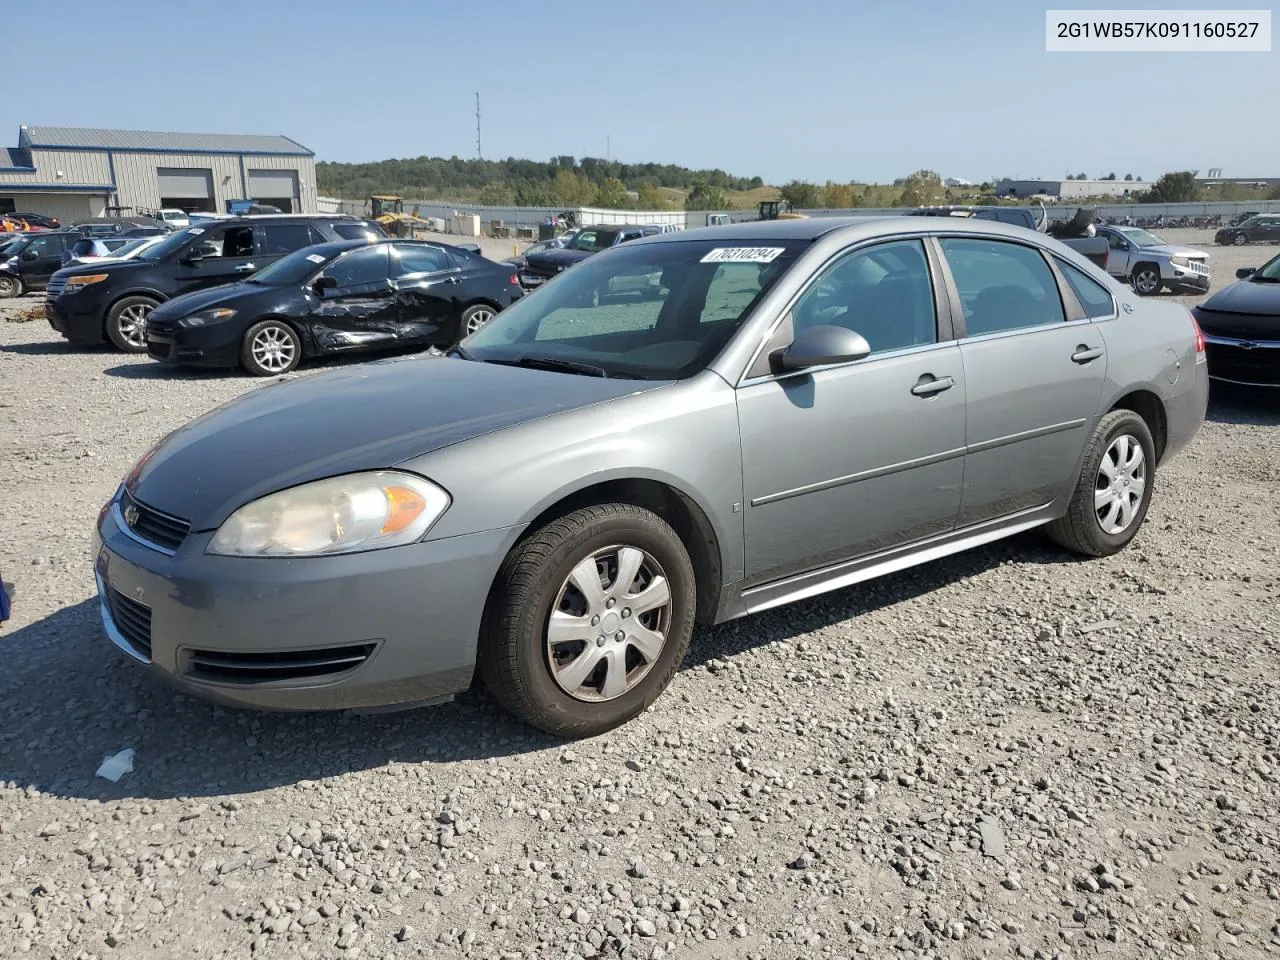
point(382, 628)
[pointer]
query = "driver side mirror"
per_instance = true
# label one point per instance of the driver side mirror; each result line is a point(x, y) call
point(1245, 272)
point(819, 345)
point(192, 256)
point(322, 284)
point(30, 254)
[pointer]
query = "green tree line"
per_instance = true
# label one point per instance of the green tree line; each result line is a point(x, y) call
point(561, 181)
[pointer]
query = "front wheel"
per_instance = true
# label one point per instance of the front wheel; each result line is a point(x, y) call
point(588, 620)
point(1146, 279)
point(270, 348)
point(1113, 490)
point(127, 323)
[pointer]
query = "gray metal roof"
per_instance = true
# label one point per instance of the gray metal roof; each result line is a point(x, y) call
point(160, 141)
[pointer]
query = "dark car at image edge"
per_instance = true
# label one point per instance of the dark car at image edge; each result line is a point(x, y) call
point(1241, 327)
point(111, 302)
point(342, 297)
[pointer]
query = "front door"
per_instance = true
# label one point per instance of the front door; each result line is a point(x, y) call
point(41, 258)
point(219, 255)
point(1117, 254)
point(426, 284)
point(854, 459)
point(1034, 378)
point(360, 309)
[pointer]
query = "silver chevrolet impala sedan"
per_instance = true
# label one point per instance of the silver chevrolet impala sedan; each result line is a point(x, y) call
point(688, 428)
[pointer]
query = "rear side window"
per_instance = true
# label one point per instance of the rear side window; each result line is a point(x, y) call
point(278, 238)
point(1093, 296)
point(1002, 286)
point(408, 258)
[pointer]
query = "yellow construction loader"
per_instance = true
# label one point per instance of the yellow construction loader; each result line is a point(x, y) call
point(388, 210)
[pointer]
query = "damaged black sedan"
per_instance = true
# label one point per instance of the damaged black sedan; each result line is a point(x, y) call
point(338, 297)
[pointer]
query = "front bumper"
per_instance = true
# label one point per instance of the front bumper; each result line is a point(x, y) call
point(1246, 363)
point(214, 345)
point(388, 627)
point(1185, 279)
point(78, 318)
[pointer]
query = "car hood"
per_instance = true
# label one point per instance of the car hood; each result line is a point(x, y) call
point(1246, 297)
point(556, 258)
point(364, 417)
point(225, 295)
point(97, 266)
point(1175, 250)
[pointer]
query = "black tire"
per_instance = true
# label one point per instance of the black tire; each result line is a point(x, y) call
point(1080, 529)
point(1150, 273)
point(473, 313)
point(261, 363)
point(513, 658)
point(1239, 239)
point(122, 319)
point(10, 287)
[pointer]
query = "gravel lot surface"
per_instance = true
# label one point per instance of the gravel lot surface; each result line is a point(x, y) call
point(1008, 753)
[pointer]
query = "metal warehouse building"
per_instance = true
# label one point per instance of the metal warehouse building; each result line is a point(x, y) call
point(73, 172)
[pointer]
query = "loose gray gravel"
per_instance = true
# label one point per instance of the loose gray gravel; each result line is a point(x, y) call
point(1009, 753)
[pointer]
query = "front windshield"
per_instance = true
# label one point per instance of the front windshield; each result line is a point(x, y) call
point(294, 268)
point(592, 241)
point(169, 244)
point(17, 246)
point(1269, 271)
point(1142, 238)
point(651, 311)
point(132, 247)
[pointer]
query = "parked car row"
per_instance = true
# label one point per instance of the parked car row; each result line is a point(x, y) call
point(266, 292)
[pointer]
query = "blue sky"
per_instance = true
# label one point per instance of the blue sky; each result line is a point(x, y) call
point(810, 89)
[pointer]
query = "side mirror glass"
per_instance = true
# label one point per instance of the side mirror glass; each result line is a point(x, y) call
point(1244, 272)
point(820, 345)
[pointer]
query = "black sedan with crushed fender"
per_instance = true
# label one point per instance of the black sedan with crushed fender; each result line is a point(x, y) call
point(340, 297)
point(1241, 327)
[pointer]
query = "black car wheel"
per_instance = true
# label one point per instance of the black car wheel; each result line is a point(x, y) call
point(270, 348)
point(588, 620)
point(10, 287)
point(127, 323)
point(1239, 239)
point(1114, 488)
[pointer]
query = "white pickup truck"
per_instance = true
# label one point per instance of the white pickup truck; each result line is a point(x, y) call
point(1151, 264)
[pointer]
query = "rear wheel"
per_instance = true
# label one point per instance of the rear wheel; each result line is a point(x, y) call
point(127, 323)
point(589, 619)
point(475, 317)
point(1146, 279)
point(10, 287)
point(270, 348)
point(1113, 490)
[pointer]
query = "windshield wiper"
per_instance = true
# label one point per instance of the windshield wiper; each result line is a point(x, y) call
point(562, 366)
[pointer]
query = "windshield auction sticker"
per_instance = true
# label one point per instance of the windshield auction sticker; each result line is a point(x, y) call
point(1157, 31)
point(743, 255)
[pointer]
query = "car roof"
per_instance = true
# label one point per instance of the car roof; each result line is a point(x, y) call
point(857, 227)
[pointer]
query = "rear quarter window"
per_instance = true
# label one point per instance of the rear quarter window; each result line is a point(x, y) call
point(1093, 296)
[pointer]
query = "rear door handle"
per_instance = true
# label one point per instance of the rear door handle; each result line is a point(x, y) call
point(1084, 354)
point(931, 386)
point(245, 268)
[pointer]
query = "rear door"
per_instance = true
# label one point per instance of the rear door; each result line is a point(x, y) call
point(361, 308)
point(1034, 366)
point(426, 284)
point(223, 255)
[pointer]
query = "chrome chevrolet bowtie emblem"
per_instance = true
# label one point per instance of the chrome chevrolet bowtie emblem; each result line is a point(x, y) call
point(1248, 345)
point(131, 515)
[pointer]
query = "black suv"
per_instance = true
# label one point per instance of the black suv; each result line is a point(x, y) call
point(542, 266)
point(32, 259)
point(111, 301)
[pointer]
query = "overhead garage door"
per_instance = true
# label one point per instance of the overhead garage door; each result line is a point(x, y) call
point(187, 188)
point(276, 187)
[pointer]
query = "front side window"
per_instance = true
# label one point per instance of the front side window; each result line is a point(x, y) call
point(1002, 286)
point(884, 292)
point(1093, 296)
point(45, 246)
point(652, 312)
point(366, 266)
point(232, 242)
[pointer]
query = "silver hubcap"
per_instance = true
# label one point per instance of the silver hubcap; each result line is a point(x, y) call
point(133, 324)
point(478, 320)
point(1147, 281)
point(1121, 484)
point(609, 623)
point(273, 349)
point(1239, 239)
point(7, 287)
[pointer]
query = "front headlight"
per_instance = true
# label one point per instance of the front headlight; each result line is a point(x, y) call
point(75, 283)
point(360, 511)
point(1181, 262)
point(207, 316)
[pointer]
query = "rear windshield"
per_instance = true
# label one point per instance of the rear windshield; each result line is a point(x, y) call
point(653, 311)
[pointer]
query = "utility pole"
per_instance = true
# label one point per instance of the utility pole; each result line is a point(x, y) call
point(608, 150)
point(479, 155)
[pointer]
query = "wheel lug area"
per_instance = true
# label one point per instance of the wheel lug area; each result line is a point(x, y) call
point(610, 603)
point(595, 620)
point(620, 636)
point(600, 640)
point(626, 612)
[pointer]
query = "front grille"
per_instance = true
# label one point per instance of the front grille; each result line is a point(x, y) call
point(55, 288)
point(1259, 365)
point(165, 327)
point(153, 526)
point(1198, 266)
point(221, 666)
point(132, 619)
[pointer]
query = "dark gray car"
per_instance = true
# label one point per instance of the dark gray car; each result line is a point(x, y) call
point(692, 427)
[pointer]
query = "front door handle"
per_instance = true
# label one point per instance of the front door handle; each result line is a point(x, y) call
point(1084, 353)
point(931, 386)
point(246, 268)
